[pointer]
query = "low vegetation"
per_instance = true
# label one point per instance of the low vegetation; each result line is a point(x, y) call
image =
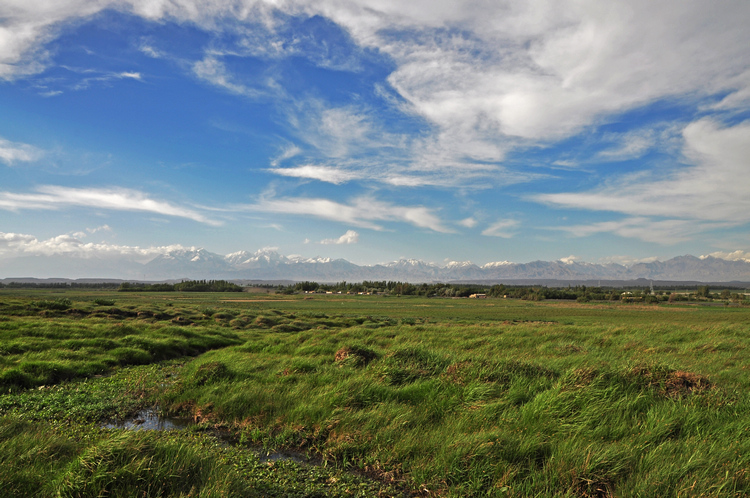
point(388, 396)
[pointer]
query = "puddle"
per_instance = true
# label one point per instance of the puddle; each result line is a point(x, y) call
point(150, 420)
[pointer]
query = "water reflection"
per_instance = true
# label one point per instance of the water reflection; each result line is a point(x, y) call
point(150, 420)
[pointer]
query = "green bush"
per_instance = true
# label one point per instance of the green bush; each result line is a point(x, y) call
point(61, 304)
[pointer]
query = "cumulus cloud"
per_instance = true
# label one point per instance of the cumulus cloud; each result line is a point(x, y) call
point(362, 211)
point(17, 244)
point(350, 237)
point(14, 152)
point(119, 199)
point(502, 228)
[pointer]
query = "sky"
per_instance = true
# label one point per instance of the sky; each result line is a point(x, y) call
point(373, 130)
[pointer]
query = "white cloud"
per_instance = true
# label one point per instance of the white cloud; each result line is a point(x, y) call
point(362, 211)
point(119, 199)
point(341, 132)
point(714, 189)
point(502, 228)
point(468, 222)
point(627, 260)
point(130, 75)
point(323, 173)
point(669, 231)
point(737, 255)
point(213, 71)
point(103, 228)
point(350, 237)
point(485, 77)
point(569, 259)
point(13, 152)
point(16, 244)
point(630, 145)
point(287, 153)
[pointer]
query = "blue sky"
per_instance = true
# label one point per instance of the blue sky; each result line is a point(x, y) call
point(371, 131)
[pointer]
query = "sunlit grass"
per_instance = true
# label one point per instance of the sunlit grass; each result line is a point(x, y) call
point(453, 397)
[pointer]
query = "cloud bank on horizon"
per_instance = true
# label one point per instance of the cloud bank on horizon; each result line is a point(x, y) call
point(441, 130)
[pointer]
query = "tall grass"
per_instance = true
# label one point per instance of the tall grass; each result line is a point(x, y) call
point(446, 397)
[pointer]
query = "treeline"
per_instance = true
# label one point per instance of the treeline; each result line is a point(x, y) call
point(535, 293)
point(580, 293)
point(186, 286)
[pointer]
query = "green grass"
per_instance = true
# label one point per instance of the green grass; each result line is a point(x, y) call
point(449, 397)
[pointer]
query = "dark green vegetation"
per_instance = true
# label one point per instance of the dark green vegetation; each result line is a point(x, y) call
point(580, 293)
point(391, 395)
point(186, 286)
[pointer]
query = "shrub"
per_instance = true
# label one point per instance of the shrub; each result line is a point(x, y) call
point(62, 303)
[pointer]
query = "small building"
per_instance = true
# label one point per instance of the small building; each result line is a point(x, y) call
point(478, 296)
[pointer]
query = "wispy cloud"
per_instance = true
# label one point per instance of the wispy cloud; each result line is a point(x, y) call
point(362, 211)
point(98, 77)
point(468, 222)
point(350, 237)
point(630, 145)
point(286, 153)
point(118, 199)
point(665, 232)
point(14, 152)
point(322, 173)
point(627, 260)
point(213, 71)
point(713, 189)
point(502, 228)
point(484, 79)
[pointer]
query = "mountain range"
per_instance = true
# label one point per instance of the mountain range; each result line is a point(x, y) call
point(268, 264)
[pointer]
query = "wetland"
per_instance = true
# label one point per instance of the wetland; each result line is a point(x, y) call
point(342, 395)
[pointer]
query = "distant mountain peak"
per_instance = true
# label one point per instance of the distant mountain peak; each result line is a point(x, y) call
point(459, 264)
point(496, 264)
point(268, 264)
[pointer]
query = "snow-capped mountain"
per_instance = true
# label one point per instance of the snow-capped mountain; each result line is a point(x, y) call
point(269, 264)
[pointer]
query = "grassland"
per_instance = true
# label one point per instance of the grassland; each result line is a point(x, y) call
point(390, 396)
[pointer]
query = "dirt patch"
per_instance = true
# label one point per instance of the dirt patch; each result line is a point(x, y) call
point(680, 383)
point(671, 383)
point(355, 355)
point(454, 372)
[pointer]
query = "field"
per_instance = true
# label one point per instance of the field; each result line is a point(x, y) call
point(381, 396)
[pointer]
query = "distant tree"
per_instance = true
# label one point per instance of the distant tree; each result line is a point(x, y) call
point(703, 291)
